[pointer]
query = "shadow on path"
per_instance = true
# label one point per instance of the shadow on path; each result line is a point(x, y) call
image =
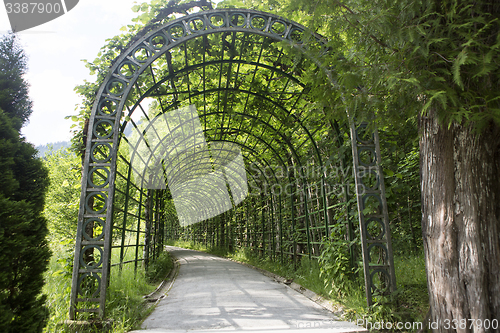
point(213, 293)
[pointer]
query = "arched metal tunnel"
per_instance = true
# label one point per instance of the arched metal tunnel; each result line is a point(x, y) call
point(205, 129)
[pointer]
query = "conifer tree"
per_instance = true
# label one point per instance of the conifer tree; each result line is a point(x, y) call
point(24, 251)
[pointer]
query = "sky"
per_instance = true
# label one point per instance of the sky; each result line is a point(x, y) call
point(55, 51)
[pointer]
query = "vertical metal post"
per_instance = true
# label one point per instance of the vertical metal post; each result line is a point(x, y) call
point(155, 223)
point(306, 219)
point(137, 239)
point(147, 230)
point(325, 205)
point(218, 232)
point(263, 221)
point(280, 221)
point(255, 235)
point(385, 212)
point(293, 229)
point(125, 210)
point(162, 221)
point(98, 160)
point(247, 229)
point(240, 227)
point(230, 233)
point(350, 225)
point(366, 160)
point(273, 232)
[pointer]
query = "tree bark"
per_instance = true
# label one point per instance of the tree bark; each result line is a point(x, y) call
point(460, 182)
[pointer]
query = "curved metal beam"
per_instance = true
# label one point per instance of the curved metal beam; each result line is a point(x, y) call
point(104, 124)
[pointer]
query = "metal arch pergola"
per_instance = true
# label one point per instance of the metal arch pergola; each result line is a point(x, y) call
point(234, 67)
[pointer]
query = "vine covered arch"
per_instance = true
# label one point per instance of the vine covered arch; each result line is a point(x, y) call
point(204, 126)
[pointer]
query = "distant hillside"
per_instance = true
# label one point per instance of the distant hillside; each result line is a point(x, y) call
point(43, 149)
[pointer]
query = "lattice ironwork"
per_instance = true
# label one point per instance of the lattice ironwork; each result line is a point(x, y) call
point(137, 216)
point(376, 245)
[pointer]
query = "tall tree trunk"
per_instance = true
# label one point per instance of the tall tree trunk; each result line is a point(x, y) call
point(460, 180)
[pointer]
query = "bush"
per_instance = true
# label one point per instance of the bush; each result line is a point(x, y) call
point(335, 265)
point(159, 268)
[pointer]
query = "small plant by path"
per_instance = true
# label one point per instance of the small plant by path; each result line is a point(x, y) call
point(125, 297)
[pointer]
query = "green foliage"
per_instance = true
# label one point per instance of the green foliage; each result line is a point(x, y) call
point(44, 149)
point(61, 212)
point(14, 100)
point(335, 264)
point(65, 256)
point(125, 304)
point(24, 253)
point(57, 287)
point(365, 83)
point(412, 282)
point(160, 267)
point(397, 59)
point(188, 245)
point(63, 196)
point(401, 164)
point(24, 248)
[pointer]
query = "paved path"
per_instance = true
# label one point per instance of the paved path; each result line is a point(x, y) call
point(212, 293)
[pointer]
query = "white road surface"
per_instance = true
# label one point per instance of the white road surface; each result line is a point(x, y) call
point(213, 294)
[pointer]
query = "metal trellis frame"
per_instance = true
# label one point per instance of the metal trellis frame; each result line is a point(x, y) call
point(376, 245)
point(258, 103)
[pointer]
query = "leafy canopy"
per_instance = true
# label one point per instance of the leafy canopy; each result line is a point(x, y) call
point(399, 58)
